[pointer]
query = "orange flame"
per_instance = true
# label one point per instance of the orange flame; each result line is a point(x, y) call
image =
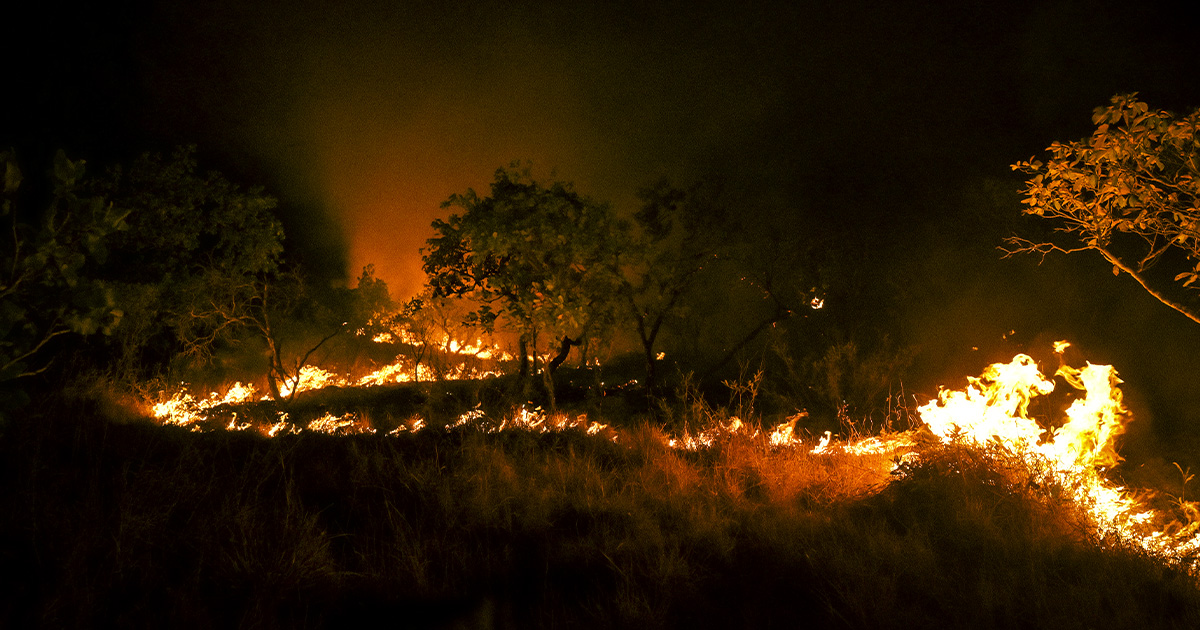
point(993, 411)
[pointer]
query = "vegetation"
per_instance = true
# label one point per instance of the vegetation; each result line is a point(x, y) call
point(48, 289)
point(110, 519)
point(138, 525)
point(674, 235)
point(541, 259)
point(1130, 192)
point(178, 269)
point(192, 267)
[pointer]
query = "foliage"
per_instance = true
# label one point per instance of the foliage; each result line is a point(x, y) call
point(201, 268)
point(675, 235)
point(461, 528)
point(285, 310)
point(1130, 192)
point(48, 287)
point(195, 261)
point(856, 382)
point(541, 259)
point(439, 328)
point(781, 279)
point(368, 302)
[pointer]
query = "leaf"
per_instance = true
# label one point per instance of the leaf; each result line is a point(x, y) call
point(12, 176)
point(65, 171)
point(1116, 270)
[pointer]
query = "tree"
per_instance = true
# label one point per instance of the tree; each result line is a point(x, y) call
point(541, 259)
point(785, 275)
point(48, 288)
point(675, 234)
point(195, 265)
point(1130, 192)
point(438, 329)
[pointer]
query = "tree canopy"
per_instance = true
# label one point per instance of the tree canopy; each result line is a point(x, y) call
point(1130, 192)
point(47, 285)
point(674, 235)
point(541, 259)
point(48, 291)
point(193, 265)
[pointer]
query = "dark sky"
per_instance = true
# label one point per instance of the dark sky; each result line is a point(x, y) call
point(890, 123)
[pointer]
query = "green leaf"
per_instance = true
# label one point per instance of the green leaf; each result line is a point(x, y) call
point(12, 175)
point(66, 172)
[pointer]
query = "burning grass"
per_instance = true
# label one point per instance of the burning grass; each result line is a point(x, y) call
point(437, 510)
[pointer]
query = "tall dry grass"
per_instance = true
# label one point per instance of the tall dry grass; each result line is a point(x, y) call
point(135, 525)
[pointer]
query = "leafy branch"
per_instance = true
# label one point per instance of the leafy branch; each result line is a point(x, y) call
point(1131, 192)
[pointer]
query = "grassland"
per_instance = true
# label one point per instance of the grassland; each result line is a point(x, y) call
point(131, 524)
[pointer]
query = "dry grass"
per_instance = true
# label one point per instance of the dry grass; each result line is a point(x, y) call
point(134, 525)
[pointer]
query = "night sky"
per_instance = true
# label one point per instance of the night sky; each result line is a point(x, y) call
point(890, 125)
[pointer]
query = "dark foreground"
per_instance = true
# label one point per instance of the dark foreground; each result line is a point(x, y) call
point(135, 525)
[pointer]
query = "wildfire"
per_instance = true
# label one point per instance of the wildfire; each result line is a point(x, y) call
point(400, 334)
point(991, 412)
point(184, 410)
point(311, 377)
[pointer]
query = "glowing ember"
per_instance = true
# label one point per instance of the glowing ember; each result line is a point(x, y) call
point(337, 425)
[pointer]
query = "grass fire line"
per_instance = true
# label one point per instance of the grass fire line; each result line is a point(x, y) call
point(990, 415)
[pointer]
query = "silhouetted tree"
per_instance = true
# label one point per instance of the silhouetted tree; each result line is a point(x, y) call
point(193, 268)
point(675, 234)
point(48, 288)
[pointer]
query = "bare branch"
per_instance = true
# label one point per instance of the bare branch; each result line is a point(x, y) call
point(1192, 315)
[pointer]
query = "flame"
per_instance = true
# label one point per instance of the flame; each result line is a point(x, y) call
point(401, 334)
point(309, 378)
point(347, 424)
point(994, 406)
point(784, 433)
point(184, 410)
point(993, 412)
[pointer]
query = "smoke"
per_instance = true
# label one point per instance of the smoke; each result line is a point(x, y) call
point(366, 116)
point(852, 120)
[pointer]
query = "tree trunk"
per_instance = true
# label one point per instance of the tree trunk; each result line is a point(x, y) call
point(564, 349)
point(548, 383)
point(780, 315)
point(523, 353)
point(273, 385)
point(648, 345)
point(1158, 295)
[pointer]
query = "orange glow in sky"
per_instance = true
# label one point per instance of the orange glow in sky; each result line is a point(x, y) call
point(384, 173)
